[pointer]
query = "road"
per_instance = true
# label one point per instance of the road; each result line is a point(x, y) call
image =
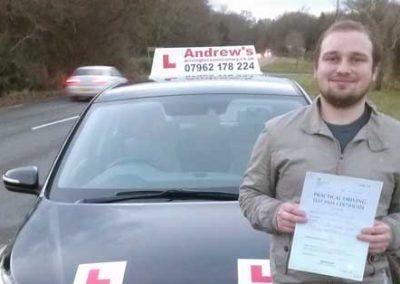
point(30, 135)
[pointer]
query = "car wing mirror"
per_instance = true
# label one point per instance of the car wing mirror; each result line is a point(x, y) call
point(24, 179)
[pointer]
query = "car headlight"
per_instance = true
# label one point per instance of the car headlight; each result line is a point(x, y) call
point(5, 277)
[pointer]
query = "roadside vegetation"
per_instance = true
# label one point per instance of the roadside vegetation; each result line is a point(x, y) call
point(42, 42)
point(387, 99)
point(288, 65)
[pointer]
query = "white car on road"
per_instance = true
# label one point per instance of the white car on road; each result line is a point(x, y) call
point(88, 81)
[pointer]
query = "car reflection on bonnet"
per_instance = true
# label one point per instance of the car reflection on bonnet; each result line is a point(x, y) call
point(145, 188)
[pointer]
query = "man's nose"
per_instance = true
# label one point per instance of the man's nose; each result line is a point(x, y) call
point(343, 67)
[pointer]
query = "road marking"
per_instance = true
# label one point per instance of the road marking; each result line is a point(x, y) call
point(14, 106)
point(55, 122)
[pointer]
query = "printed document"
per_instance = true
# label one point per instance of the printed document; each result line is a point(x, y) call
point(337, 209)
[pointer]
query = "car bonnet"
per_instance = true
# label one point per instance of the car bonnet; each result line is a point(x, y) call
point(185, 242)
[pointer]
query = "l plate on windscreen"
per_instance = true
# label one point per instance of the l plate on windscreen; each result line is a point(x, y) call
point(216, 62)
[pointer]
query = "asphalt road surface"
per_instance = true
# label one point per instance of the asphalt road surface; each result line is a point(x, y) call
point(30, 135)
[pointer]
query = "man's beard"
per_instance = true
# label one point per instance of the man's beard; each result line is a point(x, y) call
point(343, 100)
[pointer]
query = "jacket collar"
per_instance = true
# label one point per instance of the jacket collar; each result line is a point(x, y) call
point(372, 132)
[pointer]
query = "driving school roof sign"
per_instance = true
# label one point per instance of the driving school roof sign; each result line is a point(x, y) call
point(204, 62)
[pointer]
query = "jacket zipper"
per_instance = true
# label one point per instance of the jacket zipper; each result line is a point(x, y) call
point(340, 156)
point(339, 162)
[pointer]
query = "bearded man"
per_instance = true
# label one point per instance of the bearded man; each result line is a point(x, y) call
point(340, 133)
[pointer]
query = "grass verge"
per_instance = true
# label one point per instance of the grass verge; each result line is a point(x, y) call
point(288, 65)
point(16, 98)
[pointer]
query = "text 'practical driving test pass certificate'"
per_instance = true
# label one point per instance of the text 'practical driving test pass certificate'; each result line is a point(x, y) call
point(337, 208)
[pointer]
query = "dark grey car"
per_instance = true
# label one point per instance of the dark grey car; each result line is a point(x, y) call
point(148, 181)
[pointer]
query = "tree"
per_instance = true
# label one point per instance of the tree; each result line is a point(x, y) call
point(295, 44)
point(279, 29)
point(261, 39)
point(381, 16)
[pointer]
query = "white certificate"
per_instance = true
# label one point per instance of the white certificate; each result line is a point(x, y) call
point(337, 208)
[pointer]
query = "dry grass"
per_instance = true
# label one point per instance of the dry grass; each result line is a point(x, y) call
point(26, 96)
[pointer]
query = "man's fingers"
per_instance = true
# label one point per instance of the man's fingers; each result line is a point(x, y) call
point(376, 249)
point(379, 233)
point(377, 246)
point(288, 216)
point(378, 237)
point(287, 224)
point(376, 230)
point(383, 238)
point(292, 212)
point(293, 209)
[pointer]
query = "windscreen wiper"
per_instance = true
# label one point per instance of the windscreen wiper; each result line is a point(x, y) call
point(170, 194)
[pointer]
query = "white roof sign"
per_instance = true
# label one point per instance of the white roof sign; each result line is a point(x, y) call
point(205, 62)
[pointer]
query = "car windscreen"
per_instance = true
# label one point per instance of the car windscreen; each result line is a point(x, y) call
point(200, 142)
point(90, 72)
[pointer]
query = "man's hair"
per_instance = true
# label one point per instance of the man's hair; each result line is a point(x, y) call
point(349, 26)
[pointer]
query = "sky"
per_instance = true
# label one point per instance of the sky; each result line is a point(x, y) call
point(271, 9)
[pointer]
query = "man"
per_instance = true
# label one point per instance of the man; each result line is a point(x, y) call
point(340, 133)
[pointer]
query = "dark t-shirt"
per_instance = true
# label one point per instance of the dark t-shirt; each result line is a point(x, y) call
point(344, 133)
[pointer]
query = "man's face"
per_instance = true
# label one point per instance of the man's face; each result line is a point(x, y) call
point(344, 72)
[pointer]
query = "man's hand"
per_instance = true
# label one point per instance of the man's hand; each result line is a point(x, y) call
point(288, 214)
point(377, 236)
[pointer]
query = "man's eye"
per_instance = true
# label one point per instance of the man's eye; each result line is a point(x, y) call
point(358, 59)
point(331, 59)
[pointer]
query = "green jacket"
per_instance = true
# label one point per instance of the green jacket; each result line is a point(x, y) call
point(291, 145)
